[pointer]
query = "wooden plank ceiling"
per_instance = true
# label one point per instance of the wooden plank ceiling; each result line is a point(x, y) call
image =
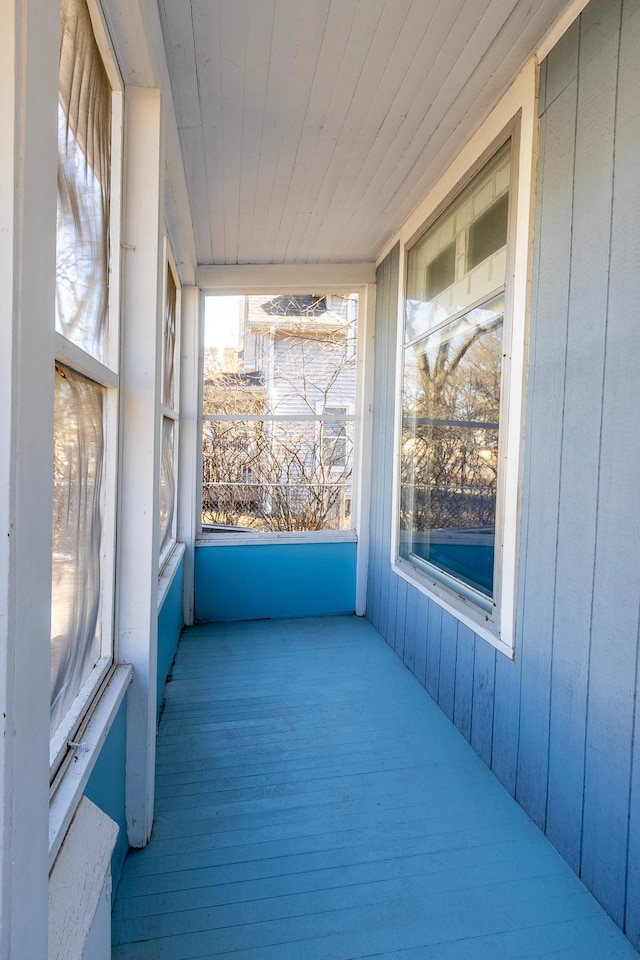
point(310, 129)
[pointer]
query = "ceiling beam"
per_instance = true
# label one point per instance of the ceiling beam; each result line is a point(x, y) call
point(283, 277)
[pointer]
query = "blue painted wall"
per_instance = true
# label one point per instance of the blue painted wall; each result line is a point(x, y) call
point(274, 580)
point(106, 786)
point(170, 624)
point(559, 726)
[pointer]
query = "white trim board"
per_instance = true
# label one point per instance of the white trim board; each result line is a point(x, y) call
point(284, 277)
point(169, 570)
point(240, 539)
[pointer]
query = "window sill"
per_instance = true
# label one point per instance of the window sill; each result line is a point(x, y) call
point(71, 780)
point(168, 571)
point(463, 609)
point(255, 539)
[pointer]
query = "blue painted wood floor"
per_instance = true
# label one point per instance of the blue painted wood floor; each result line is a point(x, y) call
point(313, 802)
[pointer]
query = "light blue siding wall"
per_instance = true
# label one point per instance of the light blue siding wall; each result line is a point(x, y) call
point(254, 582)
point(558, 725)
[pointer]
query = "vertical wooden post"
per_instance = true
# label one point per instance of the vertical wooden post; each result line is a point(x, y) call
point(139, 490)
point(190, 443)
point(29, 50)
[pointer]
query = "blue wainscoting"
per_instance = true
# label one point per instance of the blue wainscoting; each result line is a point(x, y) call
point(170, 624)
point(106, 786)
point(258, 581)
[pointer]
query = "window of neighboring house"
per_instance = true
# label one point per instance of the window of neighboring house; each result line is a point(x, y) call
point(453, 403)
point(279, 380)
point(334, 437)
point(169, 395)
point(86, 380)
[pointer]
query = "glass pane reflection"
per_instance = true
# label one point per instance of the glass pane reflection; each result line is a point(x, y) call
point(451, 409)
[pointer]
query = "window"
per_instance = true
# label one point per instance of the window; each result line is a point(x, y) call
point(279, 380)
point(86, 380)
point(459, 338)
point(169, 417)
point(334, 437)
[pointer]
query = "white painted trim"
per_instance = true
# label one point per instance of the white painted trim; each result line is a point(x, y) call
point(190, 448)
point(366, 296)
point(362, 468)
point(559, 28)
point(112, 351)
point(138, 532)
point(169, 570)
point(170, 413)
point(82, 362)
point(103, 42)
point(70, 783)
point(200, 396)
point(457, 606)
point(240, 539)
point(284, 277)
point(397, 413)
point(29, 55)
point(77, 881)
point(67, 729)
point(281, 417)
point(520, 101)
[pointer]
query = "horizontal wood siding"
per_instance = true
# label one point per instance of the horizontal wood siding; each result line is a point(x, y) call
point(558, 725)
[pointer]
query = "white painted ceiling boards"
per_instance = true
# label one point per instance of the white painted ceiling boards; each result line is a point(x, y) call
point(310, 129)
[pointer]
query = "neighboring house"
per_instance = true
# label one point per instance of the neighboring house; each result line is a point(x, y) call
point(494, 538)
point(292, 469)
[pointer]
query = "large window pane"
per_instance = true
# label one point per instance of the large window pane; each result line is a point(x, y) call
point(450, 448)
point(77, 536)
point(84, 145)
point(279, 395)
point(451, 387)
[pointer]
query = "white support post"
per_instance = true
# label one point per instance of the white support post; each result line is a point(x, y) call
point(29, 50)
point(190, 443)
point(364, 464)
point(140, 449)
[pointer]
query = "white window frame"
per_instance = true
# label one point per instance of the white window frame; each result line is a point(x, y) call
point(516, 116)
point(293, 279)
point(346, 418)
point(171, 413)
point(106, 374)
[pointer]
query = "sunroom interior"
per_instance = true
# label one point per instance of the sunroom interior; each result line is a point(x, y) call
point(319, 596)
